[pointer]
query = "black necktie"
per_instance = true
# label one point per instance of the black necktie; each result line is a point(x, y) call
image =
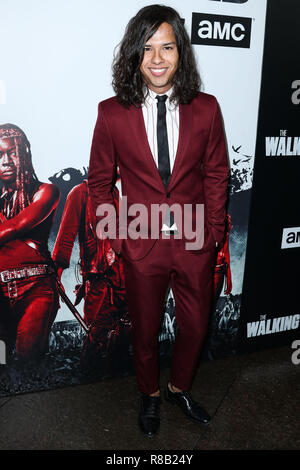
point(162, 140)
point(163, 146)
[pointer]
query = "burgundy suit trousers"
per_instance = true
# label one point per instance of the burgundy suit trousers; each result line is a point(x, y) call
point(190, 276)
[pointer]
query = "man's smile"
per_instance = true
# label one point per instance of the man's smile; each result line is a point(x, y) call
point(158, 72)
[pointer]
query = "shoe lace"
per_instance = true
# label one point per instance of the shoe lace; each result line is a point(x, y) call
point(152, 408)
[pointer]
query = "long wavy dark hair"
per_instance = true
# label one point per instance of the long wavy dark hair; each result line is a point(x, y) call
point(128, 81)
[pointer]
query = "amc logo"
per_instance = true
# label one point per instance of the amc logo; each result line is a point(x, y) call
point(221, 30)
point(290, 237)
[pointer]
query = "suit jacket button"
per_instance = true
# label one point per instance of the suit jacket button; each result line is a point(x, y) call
point(168, 194)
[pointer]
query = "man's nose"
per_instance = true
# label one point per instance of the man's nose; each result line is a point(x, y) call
point(156, 57)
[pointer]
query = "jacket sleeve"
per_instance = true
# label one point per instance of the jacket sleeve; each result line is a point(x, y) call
point(215, 177)
point(102, 176)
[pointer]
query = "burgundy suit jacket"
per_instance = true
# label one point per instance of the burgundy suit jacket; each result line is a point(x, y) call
point(199, 176)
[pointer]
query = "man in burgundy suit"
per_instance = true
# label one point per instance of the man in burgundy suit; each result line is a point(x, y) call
point(167, 139)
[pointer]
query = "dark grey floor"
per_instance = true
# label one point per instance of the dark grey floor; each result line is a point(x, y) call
point(254, 400)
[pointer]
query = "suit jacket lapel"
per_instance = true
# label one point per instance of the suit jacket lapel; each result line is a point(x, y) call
point(136, 120)
point(185, 132)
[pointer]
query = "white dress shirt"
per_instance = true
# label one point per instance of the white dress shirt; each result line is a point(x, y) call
point(149, 109)
point(172, 119)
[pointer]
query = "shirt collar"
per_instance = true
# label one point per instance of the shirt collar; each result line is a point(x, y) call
point(150, 98)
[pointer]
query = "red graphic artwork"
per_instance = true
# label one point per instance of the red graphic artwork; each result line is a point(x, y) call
point(29, 300)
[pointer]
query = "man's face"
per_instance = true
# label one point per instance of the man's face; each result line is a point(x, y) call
point(8, 160)
point(160, 59)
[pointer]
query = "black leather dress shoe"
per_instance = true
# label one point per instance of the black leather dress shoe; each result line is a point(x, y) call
point(149, 415)
point(191, 408)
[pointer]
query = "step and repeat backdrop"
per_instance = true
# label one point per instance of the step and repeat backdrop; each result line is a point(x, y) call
point(270, 305)
point(56, 61)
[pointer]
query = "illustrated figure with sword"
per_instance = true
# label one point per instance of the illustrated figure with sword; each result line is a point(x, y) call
point(103, 289)
point(28, 293)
